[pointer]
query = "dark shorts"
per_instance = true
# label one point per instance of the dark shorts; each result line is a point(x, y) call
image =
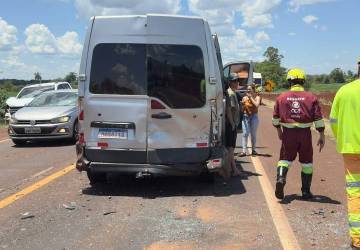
point(230, 136)
point(297, 141)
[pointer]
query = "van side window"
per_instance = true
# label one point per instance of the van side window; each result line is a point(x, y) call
point(176, 75)
point(118, 69)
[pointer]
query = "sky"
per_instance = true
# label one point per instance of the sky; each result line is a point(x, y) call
point(47, 36)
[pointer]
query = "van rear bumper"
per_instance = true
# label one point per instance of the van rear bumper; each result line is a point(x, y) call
point(153, 169)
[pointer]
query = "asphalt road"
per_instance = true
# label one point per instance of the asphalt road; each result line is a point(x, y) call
point(168, 213)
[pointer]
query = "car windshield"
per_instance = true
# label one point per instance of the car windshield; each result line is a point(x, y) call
point(32, 92)
point(55, 99)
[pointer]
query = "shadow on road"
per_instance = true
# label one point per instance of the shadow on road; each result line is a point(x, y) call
point(45, 144)
point(159, 187)
point(317, 198)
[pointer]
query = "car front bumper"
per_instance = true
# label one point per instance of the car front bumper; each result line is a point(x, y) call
point(48, 131)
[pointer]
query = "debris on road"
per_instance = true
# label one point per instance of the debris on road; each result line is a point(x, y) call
point(321, 212)
point(110, 212)
point(72, 206)
point(27, 215)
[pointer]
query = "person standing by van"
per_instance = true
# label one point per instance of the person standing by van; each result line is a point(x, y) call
point(232, 121)
point(250, 105)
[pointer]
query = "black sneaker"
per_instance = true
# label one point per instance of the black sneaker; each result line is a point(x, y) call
point(307, 195)
point(254, 153)
point(279, 191)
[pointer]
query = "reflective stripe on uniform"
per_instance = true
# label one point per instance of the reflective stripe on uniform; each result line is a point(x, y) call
point(333, 121)
point(354, 223)
point(307, 168)
point(319, 123)
point(283, 163)
point(296, 125)
point(276, 121)
point(352, 177)
point(353, 184)
point(353, 191)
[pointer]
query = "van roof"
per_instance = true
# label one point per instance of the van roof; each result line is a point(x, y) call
point(148, 25)
point(149, 16)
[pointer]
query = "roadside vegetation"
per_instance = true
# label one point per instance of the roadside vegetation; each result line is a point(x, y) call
point(272, 70)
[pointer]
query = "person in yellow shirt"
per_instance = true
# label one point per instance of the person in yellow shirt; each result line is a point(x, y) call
point(345, 123)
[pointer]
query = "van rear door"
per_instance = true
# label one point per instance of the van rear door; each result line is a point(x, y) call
point(179, 117)
point(116, 107)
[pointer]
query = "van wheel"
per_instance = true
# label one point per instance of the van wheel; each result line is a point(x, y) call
point(19, 142)
point(207, 177)
point(95, 178)
point(75, 137)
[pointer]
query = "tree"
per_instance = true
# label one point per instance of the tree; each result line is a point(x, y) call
point(337, 76)
point(271, 69)
point(273, 56)
point(37, 77)
point(72, 79)
point(350, 76)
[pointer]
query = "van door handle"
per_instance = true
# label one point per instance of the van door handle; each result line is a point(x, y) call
point(162, 115)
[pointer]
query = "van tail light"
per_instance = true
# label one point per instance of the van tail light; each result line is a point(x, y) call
point(81, 139)
point(214, 164)
point(81, 115)
point(103, 145)
point(202, 145)
point(157, 105)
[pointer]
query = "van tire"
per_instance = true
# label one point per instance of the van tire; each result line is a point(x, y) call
point(19, 142)
point(75, 136)
point(95, 178)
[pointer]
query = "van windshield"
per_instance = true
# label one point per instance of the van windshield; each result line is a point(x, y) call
point(173, 73)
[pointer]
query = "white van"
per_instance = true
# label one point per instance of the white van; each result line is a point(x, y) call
point(258, 79)
point(151, 97)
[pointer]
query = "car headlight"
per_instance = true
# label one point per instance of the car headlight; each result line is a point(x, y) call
point(13, 120)
point(62, 119)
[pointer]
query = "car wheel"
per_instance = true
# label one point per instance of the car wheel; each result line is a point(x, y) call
point(75, 137)
point(95, 178)
point(19, 142)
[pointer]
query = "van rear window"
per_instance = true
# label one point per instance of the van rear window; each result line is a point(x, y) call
point(173, 73)
point(118, 69)
point(176, 75)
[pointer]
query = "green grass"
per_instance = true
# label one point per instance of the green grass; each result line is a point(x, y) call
point(331, 87)
point(318, 88)
point(2, 123)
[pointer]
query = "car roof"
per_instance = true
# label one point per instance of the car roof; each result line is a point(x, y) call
point(44, 84)
point(61, 91)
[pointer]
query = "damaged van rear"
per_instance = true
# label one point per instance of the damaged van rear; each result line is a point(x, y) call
point(151, 98)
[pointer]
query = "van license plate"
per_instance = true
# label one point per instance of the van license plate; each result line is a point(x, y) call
point(113, 133)
point(33, 130)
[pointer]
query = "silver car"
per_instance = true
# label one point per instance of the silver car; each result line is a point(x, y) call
point(52, 115)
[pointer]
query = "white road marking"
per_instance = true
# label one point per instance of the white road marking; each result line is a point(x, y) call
point(4, 140)
point(286, 234)
point(41, 172)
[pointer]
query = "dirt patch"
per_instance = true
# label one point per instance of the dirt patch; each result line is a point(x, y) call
point(3, 133)
point(325, 100)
